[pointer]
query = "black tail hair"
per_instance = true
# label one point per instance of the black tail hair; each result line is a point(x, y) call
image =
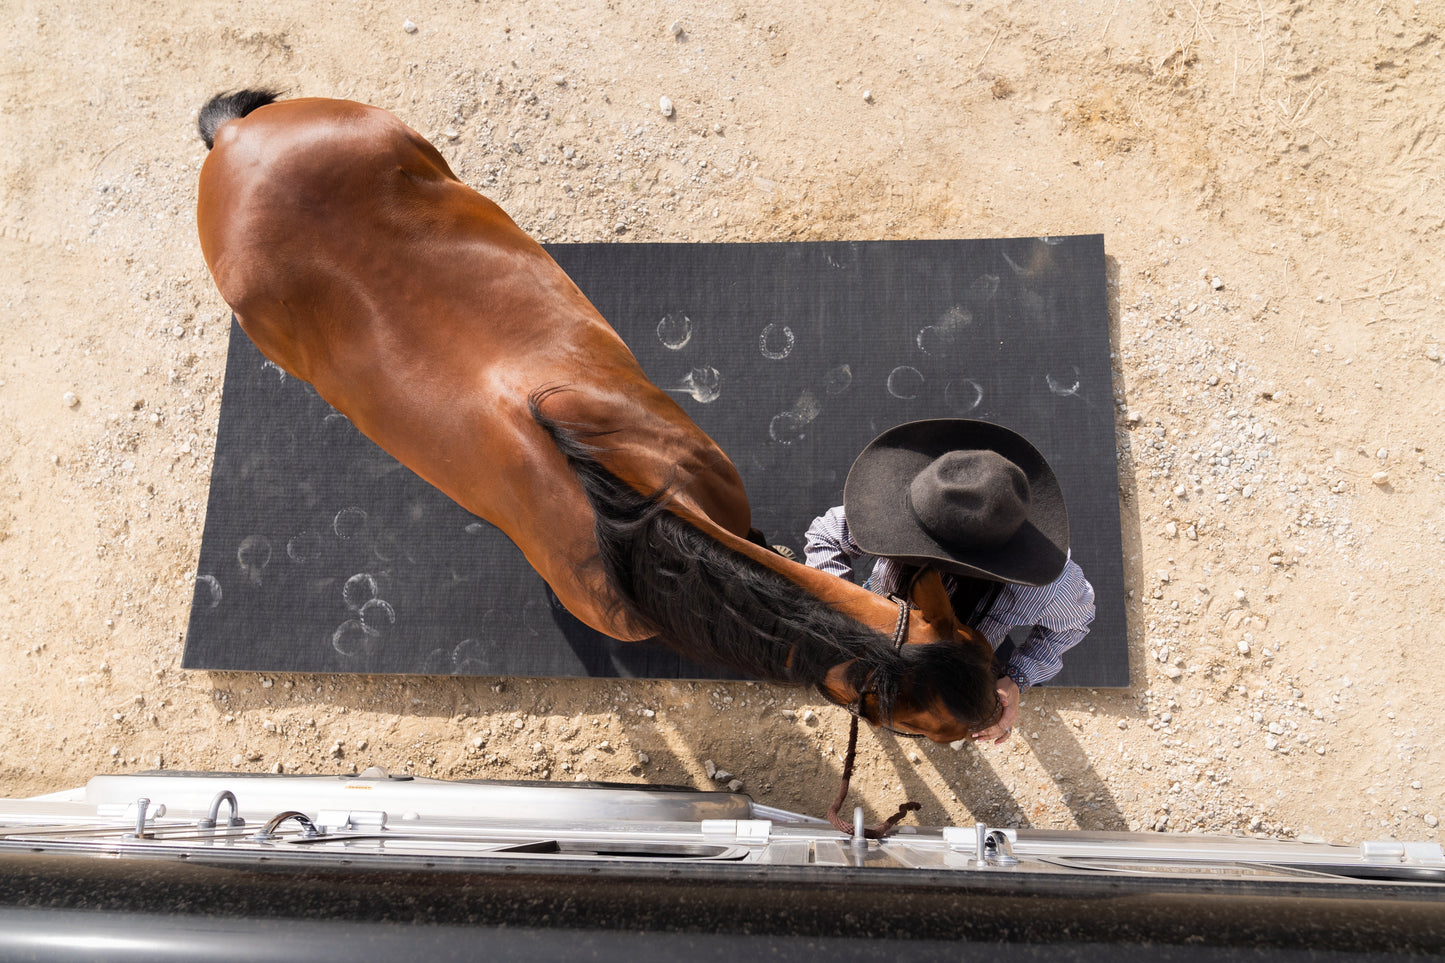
point(224, 108)
point(715, 605)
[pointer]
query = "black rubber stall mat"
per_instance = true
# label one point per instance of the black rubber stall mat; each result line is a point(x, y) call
point(322, 554)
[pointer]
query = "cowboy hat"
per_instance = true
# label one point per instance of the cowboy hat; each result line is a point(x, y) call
point(961, 495)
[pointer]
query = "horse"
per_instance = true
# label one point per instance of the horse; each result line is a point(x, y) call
point(356, 260)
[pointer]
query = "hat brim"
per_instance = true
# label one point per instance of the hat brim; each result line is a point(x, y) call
point(875, 499)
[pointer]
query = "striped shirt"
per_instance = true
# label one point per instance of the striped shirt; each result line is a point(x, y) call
point(1058, 615)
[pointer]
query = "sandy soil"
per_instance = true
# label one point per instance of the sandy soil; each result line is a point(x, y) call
point(1268, 176)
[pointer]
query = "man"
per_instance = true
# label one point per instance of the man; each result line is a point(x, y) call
point(979, 503)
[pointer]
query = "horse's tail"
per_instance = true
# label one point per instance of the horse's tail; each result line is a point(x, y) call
point(224, 108)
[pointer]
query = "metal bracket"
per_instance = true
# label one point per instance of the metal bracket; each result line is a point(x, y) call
point(998, 848)
point(209, 820)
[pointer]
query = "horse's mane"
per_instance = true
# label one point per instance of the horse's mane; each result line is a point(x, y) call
point(712, 604)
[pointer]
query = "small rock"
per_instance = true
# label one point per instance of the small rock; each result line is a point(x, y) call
point(408, 26)
point(1381, 477)
point(1431, 820)
point(675, 28)
point(1433, 352)
point(735, 786)
point(1239, 595)
point(664, 104)
point(70, 399)
point(643, 758)
point(1171, 529)
point(722, 775)
point(1243, 647)
point(451, 133)
point(1216, 284)
point(958, 744)
point(237, 759)
point(1173, 671)
point(518, 724)
point(710, 768)
point(868, 96)
point(809, 715)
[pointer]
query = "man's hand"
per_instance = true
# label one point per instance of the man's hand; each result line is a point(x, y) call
point(1008, 694)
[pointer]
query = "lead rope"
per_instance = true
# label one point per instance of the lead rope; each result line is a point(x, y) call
point(900, 636)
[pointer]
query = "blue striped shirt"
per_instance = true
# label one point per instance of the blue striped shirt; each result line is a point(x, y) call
point(1058, 614)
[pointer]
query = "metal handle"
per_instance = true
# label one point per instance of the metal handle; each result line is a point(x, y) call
point(268, 832)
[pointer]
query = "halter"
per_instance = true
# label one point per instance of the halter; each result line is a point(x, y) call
point(900, 637)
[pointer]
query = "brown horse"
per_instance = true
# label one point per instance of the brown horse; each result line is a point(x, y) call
point(356, 260)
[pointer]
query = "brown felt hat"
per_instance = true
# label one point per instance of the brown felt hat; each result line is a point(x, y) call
point(961, 495)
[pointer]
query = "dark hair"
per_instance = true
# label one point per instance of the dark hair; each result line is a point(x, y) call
point(710, 603)
point(224, 108)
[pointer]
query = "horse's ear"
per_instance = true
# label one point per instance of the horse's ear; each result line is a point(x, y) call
point(933, 603)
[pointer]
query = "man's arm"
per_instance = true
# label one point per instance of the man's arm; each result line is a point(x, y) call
point(829, 547)
point(1060, 613)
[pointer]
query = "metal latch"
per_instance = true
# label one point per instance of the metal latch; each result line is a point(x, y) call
point(1392, 851)
point(742, 830)
point(352, 819)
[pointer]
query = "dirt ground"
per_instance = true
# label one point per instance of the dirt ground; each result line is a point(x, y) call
point(1268, 178)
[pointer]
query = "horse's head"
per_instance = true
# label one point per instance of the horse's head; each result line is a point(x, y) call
point(943, 685)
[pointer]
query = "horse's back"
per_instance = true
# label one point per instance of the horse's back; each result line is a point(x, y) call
point(356, 260)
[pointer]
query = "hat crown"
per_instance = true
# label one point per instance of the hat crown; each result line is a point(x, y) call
point(970, 499)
